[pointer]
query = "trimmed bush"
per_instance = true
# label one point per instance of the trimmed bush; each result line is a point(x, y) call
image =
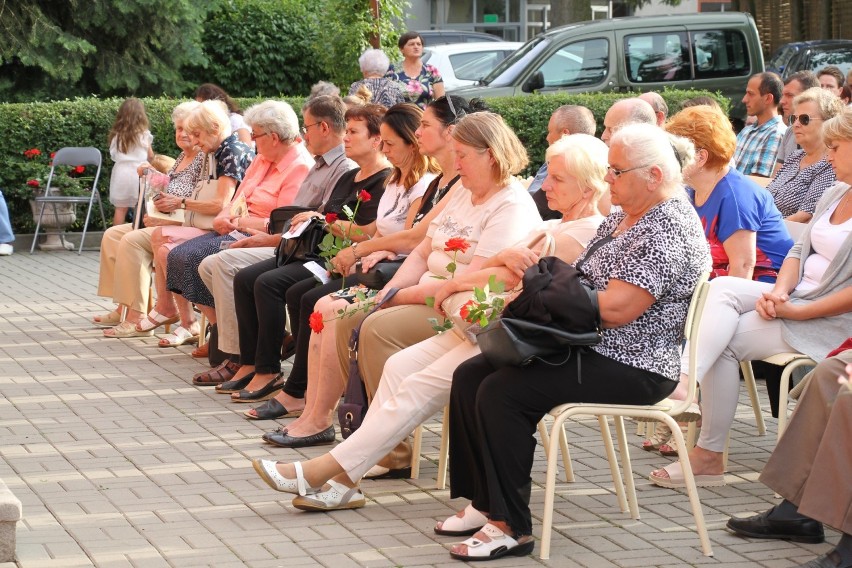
point(86, 122)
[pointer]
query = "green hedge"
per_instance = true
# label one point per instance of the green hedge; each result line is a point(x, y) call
point(86, 122)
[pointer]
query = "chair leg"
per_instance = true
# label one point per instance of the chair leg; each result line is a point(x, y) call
point(641, 428)
point(691, 488)
point(783, 395)
point(550, 487)
point(617, 481)
point(748, 376)
point(202, 325)
point(38, 226)
point(566, 455)
point(445, 451)
point(627, 465)
point(416, 446)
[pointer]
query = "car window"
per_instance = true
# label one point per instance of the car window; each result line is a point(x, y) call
point(476, 65)
point(657, 57)
point(576, 64)
point(720, 54)
point(840, 57)
point(782, 57)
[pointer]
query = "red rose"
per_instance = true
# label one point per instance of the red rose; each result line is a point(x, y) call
point(456, 245)
point(364, 195)
point(464, 312)
point(79, 169)
point(331, 218)
point(315, 322)
point(33, 183)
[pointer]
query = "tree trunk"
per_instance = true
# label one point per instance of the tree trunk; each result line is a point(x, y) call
point(569, 11)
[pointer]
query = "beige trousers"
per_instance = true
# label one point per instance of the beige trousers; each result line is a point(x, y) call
point(811, 464)
point(218, 271)
point(126, 264)
point(383, 334)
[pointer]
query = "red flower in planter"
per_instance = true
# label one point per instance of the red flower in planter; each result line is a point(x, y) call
point(33, 183)
point(315, 322)
point(52, 154)
point(32, 153)
point(79, 169)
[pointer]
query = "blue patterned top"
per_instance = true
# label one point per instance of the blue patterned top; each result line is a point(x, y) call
point(233, 158)
point(420, 89)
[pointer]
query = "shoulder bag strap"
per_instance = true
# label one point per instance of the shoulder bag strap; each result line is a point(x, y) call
point(353, 340)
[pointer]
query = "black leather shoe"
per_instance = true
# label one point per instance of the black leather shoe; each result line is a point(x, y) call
point(265, 392)
point(281, 430)
point(761, 526)
point(285, 440)
point(830, 560)
point(234, 385)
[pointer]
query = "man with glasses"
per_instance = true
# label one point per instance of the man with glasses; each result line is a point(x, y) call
point(757, 144)
point(322, 132)
point(794, 85)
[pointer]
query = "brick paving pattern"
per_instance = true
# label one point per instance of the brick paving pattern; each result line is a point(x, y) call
point(120, 461)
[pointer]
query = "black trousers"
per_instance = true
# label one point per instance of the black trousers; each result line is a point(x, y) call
point(494, 414)
point(259, 293)
point(301, 298)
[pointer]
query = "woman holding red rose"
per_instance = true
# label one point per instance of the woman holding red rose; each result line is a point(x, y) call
point(492, 211)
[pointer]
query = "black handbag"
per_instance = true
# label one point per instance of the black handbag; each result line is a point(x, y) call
point(304, 247)
point(280, 216)
point(352, 410)
point(554, 314)
point(378, 276)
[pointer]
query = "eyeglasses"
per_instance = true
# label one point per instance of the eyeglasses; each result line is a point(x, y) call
point(304, 129)
point(616, 173)
point(804, 119)
point(256, 136)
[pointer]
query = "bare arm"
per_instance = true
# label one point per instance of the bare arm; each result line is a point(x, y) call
point(438, 89)
point(742, 254)
point(839, 302)
point(800, 217)
point(622, 303)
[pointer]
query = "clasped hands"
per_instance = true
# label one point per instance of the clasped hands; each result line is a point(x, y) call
point(772, 305)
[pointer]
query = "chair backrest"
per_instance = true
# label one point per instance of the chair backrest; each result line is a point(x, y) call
point(693, 322)
point(795, 229)
point(76, 156)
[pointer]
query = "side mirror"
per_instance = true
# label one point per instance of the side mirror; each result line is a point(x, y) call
point(534, 83)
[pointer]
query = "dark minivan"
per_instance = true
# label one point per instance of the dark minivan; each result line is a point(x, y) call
point(713, 51)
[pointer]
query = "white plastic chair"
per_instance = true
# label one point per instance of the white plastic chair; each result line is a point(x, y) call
point(790, 362)
point(664, 411)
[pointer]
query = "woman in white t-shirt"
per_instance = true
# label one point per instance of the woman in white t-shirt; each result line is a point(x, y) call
point(491, 213)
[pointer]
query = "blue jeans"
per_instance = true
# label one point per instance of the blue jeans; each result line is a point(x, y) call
point(6, 235)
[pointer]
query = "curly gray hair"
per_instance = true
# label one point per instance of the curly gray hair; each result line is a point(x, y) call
point(374, 62)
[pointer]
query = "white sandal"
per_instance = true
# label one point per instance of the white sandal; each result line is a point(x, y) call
point(178, 337)
point(269, 473)
point(126, 329)
point(155, 319)
point(469, 523)
point(337, 497)
point(499, 546)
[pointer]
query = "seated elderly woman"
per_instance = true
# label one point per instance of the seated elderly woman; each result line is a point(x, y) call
point(806, 175)
point(375, 87)
point(492, 212)
point(126, 254)
point(272, 180)
point(808, 309)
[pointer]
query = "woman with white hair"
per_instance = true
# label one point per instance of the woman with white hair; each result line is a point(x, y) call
point(644, 262)
point(126, 254)
point(374, 87)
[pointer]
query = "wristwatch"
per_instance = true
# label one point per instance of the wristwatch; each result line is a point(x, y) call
point(183, 203)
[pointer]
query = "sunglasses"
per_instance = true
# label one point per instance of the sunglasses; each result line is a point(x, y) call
point(804, 119)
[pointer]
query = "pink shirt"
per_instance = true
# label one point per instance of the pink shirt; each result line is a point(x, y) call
point(269, 184)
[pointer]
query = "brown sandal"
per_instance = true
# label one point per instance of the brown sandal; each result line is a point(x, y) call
point(217, 375)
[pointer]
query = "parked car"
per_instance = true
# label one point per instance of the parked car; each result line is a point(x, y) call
point(713, 51)
point(443, 37)
point(463, 64)
point(811, 55)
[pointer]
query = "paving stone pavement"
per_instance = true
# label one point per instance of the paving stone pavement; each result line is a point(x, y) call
point(119, 461)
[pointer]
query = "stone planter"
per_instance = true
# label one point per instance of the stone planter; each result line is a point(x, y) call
point(53, 238)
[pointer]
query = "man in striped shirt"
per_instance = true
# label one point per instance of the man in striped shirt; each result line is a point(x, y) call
point(757, 144)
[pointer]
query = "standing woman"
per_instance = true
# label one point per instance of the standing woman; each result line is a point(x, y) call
point(421, 83)
point(129, 145)
point(806, 174)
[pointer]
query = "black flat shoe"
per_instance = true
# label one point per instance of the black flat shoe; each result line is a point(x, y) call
point(401, 473)
point(267, 435)
point(762, 526)
point(235, 386)
point(267, 391)
point(285, 440)
point(271, 410)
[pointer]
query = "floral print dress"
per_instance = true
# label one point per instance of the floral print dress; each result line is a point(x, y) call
point(420, 89)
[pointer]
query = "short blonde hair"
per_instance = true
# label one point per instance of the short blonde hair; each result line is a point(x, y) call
point(838, 128)
point(828, 104)
point(708, 128)
point(211, 117)
point(183, 110)
point(586, 159)
point(488, 131)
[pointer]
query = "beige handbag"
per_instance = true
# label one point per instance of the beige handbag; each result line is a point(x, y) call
point(206, 189)
point(453, 304)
